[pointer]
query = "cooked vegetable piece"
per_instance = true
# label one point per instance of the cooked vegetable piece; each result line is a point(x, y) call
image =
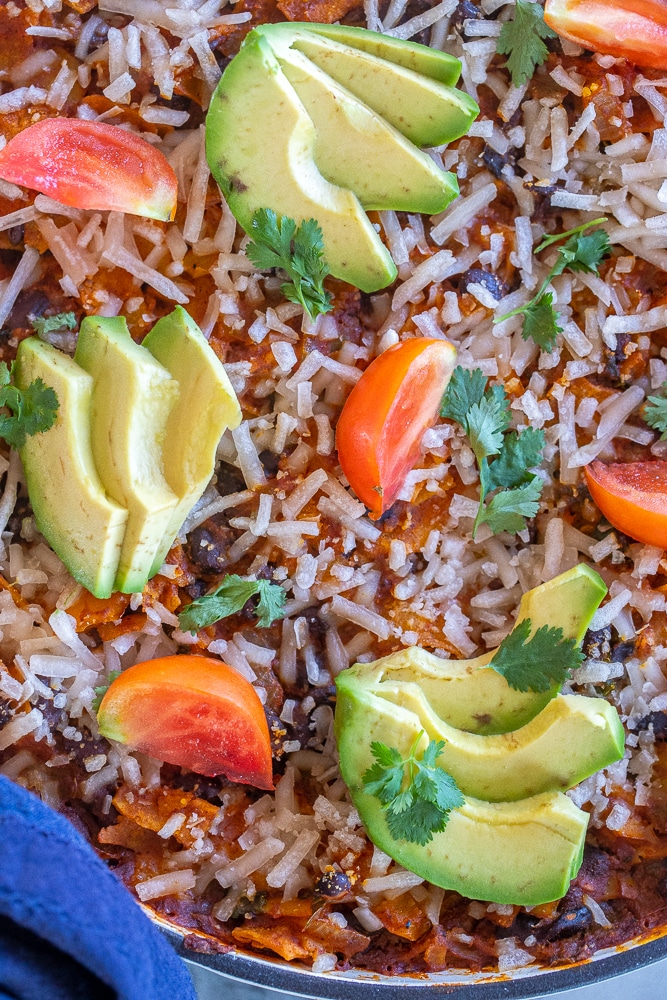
point(385, 415)
point(633, 498)
point(193, 711)
point(632, 29)
point(91, 165)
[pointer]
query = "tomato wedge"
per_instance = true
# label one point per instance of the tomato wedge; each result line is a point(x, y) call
point(632, 29)
point(193, 711)
point(381, 425)
point(91, 165)
point(633, 498)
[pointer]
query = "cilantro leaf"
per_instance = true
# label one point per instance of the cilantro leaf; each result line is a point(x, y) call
point(585, 252)
point(417, 822)
point(655, 413)
point(465, 389)
point(229, 598)
point(541, 322)
point(519, 454)
point(31, 410)
point(102, 689)
point(508, 509)
point(486, 423)
point(421, 808)
point(48, 324)
point(522, 40)
point(296, 250)
point(538, 662)
point(484, 414)
point(579, 253)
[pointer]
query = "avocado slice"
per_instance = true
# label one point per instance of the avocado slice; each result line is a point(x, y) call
point(205, 408)
point(523, 853)
point(421, 59)
point(570, 739)
point(260, 146)
point(391, 172)
point(132, 398)
point(470, 695)
point(72, 511)
point(425, 111)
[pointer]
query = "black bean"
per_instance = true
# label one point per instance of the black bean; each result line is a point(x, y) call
point(494, 161)
point(622, 651)
point(571, 922)
point(597, 644)
point(6, 712)
point(333, 884)
point(658, 720)
point(477, 276)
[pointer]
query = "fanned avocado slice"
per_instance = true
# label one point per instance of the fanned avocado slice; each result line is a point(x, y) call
point(357, 149)
point(132, 398)
point(470, 695)
point(206, 407)
point(421, 59)
point(570, 739)
point(521, 853)
point(425, 111)
point(79, 521)
point(260, 146)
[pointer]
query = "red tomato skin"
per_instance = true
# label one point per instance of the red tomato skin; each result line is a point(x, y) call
point(633, 498)
point(632, 29)
point(381, 425)
point(91, 165)
point(192, 711)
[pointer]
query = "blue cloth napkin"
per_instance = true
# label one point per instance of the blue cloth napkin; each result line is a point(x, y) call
point(69, 930)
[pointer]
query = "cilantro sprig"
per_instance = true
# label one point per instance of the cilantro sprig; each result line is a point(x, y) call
point(102, 689)
point(655, 412)
point(26, 411)
point(50, 324)
point(296, 250)
point(535, 663)
point(484, 414)
point(581, 252)
point(522, 39)
point(228, 598)
point(417, 795)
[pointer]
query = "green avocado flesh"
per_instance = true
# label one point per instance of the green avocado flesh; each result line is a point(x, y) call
point(392, 172)
point(469, 695)
point(205, 408)
point(132, 448)
point(72, 511)
point(522, 853)
point(325, 121)
point(260, 146)
point(421, 59)
point(127, 438)
point(517, 839)
point(566, 742)
point(426, 112)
